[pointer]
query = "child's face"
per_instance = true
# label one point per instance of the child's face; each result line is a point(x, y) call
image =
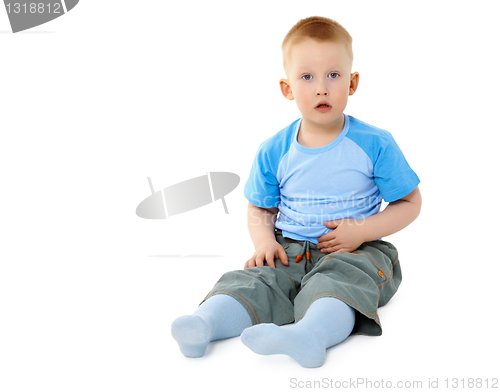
point(320, 80)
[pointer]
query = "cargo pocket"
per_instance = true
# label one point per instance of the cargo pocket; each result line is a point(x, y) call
point(386, 255)
point(365, 262)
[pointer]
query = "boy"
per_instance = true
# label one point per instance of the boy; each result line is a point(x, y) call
point(314, 191)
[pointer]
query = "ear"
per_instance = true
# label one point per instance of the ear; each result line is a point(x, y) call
point(286, 90)
point(353, 86)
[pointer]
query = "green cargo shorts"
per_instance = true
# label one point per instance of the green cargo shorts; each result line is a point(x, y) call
point(365, 279)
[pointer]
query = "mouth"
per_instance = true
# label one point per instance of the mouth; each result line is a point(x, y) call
point(323, 107)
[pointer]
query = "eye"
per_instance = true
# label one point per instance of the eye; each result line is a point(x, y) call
point(333, 75)
point(307, 77)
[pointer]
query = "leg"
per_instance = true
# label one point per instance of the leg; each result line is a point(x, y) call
point(339, 296)
point(327, 322)
point(238, 300)
point(219, 317)
point(365, 280)
point(266, 293)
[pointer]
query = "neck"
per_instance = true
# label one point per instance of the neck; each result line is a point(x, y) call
point(315, 135)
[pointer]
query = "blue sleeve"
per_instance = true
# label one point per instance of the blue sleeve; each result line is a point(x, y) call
point(392, 173)
point(262, 186)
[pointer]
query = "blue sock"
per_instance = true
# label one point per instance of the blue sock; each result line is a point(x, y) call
point(327, 322)
point(219, 317)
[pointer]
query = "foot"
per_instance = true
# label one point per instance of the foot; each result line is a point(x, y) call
point(193, 335)
point(267, 339)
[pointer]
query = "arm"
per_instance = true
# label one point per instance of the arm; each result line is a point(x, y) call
point(260, 222)
point(350, 234)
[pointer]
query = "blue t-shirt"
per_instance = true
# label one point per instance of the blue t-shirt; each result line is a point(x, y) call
point(347, 178)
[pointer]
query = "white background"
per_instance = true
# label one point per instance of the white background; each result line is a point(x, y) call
point(94, 102)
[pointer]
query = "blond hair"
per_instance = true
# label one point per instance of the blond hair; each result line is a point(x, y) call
point(318, 28)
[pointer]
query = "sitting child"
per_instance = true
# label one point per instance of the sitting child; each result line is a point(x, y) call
point(314, 191)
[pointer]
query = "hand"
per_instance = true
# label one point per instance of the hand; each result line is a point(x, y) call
point(267, 251)
point(347, 236)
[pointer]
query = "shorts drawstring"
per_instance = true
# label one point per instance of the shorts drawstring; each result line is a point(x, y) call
point(308, 254)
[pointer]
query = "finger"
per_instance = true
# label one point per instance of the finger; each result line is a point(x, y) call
point(332, 224)
point(327, 237)
point(328, 245)
point(324, 238)
point(270, 260)
point(322, 244)
point(282, 256)
point(259, 261)
point(338, 248)
point(331, 249)
point(248, 264)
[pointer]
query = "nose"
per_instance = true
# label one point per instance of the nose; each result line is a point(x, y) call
point(321, 89)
